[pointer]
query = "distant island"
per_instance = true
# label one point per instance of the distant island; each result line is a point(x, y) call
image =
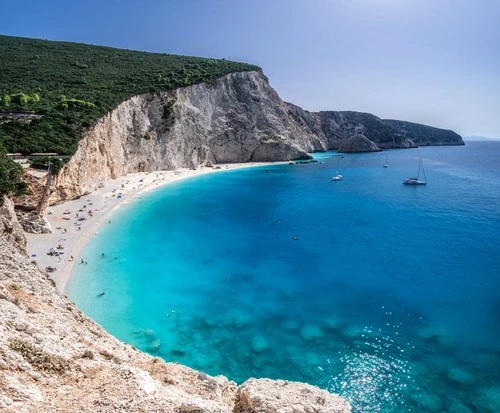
point(480, 138)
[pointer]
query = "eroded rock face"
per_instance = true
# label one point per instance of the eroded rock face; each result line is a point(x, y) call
point(10, 228)
point(236, 118)
point(278, 396)
point(358, 143)
point(424, 135)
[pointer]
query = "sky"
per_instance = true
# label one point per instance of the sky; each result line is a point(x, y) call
point(435, 62)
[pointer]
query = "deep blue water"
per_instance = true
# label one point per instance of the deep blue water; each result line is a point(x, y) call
point(389, 297)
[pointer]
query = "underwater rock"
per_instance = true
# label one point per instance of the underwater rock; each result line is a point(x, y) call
point(154, 346)
point(259, 344)
point(461, 376)
point(290, 325)
point(310, 332)
point(457, 407)
point(428, 401)
point(177, 352)
point(489, 397)
point(240, 319)
point(435, 334)
point(333, 323)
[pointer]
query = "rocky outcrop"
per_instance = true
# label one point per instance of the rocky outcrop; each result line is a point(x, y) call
point(358, 143)
point(278, 396)
point(10, 228)
point(55, 359)
point(236, 118)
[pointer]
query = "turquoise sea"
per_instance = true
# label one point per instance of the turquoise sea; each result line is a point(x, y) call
point(390, 296)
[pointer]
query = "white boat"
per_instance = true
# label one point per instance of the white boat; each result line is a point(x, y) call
point(417, 180)
point(337, 177)
point(386, 164)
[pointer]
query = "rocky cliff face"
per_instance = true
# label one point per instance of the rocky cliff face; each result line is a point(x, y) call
point(335, 128)
point(358, 143)
point(55, 359)
point(424, 135)
point(237, 118)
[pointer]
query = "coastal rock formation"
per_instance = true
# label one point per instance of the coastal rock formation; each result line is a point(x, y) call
point(278, 396)
point(336, 127)
point(9, 224)
point(358, 143)
point(236, 118)
point(55, 359)
point(424, 135)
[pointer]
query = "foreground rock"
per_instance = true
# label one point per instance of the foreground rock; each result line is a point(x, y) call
point(278, 396)
point(55, 359)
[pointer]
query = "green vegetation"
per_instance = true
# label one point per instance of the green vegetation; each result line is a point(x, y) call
point(72, 85)
point(10, 175)
point(168, 108)
point(40, 359)
point(44, 162)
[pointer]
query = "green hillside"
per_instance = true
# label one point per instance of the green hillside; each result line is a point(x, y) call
point(71, 85)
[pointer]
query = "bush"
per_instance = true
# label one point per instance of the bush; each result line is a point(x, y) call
point(168, 109)
point(40, 359)
point(10, 175)
point(44, 162)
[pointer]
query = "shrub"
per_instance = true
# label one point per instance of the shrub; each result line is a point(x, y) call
point(38, 358)
point(10, 175)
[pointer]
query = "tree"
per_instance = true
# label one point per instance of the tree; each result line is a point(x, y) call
point(6, 101)
point(10, 175)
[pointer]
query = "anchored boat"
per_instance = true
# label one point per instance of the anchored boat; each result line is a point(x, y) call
point(417, 180)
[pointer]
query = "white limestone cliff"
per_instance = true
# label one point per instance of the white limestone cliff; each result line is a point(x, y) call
point(236, 118)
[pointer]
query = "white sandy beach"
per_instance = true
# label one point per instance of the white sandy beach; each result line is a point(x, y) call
point(74, 223)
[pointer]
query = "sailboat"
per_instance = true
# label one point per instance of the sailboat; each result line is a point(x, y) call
point(417, 180)
point(386, 164)
point(337, 176)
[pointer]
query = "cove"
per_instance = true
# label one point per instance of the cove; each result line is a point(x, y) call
point(389, 296)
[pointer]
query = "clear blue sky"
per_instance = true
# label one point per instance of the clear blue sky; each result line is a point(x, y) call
point(430, 61)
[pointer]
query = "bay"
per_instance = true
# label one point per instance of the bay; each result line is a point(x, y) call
point(386, 294)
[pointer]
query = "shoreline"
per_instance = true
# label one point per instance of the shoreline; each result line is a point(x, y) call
point(75, 222)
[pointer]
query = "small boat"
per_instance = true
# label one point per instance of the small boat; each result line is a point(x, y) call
point(337, 177)
point(417, 180)
point(386, 164)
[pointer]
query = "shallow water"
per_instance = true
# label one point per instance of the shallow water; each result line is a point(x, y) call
point(390, 296)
